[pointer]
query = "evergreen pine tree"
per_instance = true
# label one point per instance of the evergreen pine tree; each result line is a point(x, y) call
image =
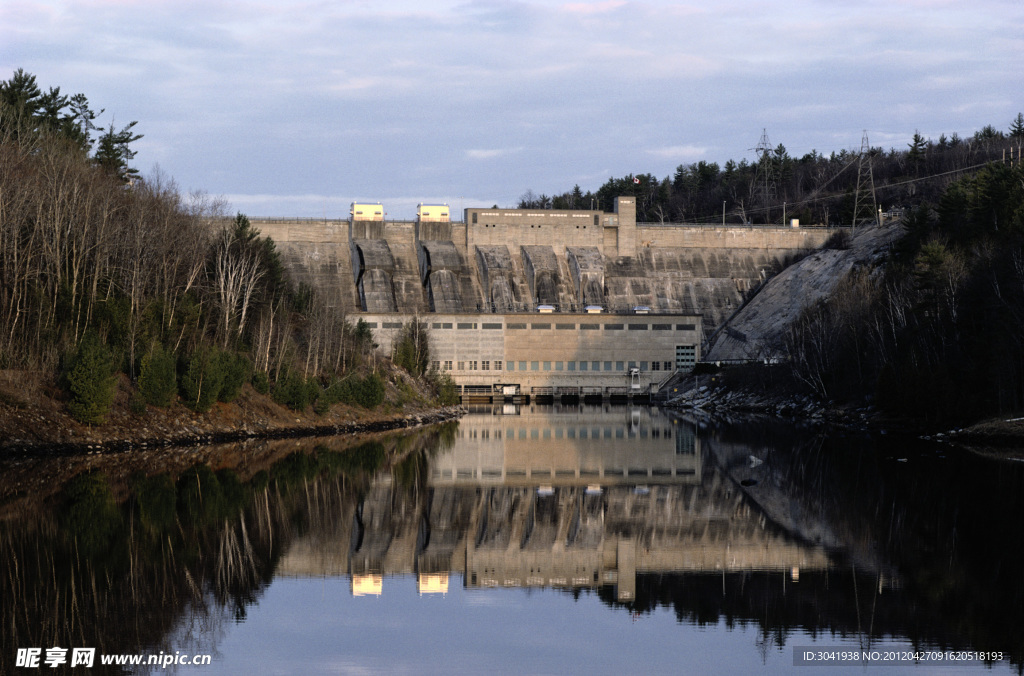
point(90, 379)
point(157, 378)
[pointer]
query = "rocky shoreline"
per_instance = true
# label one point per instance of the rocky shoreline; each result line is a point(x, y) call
point(197, 437)
point(35, 421)
point(996, 437)
point(721, 400)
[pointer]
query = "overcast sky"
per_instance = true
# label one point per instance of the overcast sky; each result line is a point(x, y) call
point(298, 108)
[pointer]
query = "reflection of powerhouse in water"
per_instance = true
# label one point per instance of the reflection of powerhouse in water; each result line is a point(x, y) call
point(571, 446)
point(566, 538)
point(559, 536)
point(555, 510)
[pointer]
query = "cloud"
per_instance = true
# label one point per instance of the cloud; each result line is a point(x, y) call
point(591, 8)
point(490, 153)
point(686, 152)
point(286, 107)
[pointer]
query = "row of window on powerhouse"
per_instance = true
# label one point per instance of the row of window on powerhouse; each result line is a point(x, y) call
point(605, 366)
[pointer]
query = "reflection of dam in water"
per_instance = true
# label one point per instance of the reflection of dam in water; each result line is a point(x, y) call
point(570, 445)
point(564, 497)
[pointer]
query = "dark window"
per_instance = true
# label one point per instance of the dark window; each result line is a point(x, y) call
point(685, 327)
point(491, 325)
point(638, 327)
point(540, 326)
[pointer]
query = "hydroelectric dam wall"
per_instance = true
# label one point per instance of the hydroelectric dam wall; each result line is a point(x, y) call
point(625, 303)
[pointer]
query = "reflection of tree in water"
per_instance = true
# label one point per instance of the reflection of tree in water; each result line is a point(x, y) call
point(950, 525)
point(181, 557)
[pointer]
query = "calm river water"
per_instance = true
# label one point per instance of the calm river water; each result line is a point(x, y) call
point(522, 540)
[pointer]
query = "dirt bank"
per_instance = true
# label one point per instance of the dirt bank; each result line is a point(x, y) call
point(34, 419)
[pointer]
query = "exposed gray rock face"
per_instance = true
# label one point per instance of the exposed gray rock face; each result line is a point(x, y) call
point(757, 330)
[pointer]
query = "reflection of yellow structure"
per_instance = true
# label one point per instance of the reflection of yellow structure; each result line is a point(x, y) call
point(433, 583)
point(364, 585)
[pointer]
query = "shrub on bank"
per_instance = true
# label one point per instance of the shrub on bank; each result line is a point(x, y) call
point(90, 379)
point(367, 392)
point(447, 390)
point(202, 380)
point(158, 381)
point(294, 391)
point(236, 369)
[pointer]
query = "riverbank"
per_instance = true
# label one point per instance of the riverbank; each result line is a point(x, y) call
point(723, 394)
point(34, 419)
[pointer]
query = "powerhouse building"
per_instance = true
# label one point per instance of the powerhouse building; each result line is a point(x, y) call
point(534, 317)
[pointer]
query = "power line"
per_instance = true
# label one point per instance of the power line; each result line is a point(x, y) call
point(817, 196)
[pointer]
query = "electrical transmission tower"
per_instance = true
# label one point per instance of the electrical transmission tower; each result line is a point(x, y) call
point(765, 186)
point(865, 206)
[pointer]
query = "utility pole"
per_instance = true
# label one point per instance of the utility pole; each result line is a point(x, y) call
point(764, 181)
point(723, 213)
point(865, 178)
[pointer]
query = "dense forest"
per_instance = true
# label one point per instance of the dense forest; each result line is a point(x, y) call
point(816, 189)
point(105, 272)
point(937, 331)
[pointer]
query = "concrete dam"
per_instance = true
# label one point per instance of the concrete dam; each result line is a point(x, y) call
point(541, 302)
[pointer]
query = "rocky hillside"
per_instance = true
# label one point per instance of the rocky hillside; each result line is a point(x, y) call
point(757, 330)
